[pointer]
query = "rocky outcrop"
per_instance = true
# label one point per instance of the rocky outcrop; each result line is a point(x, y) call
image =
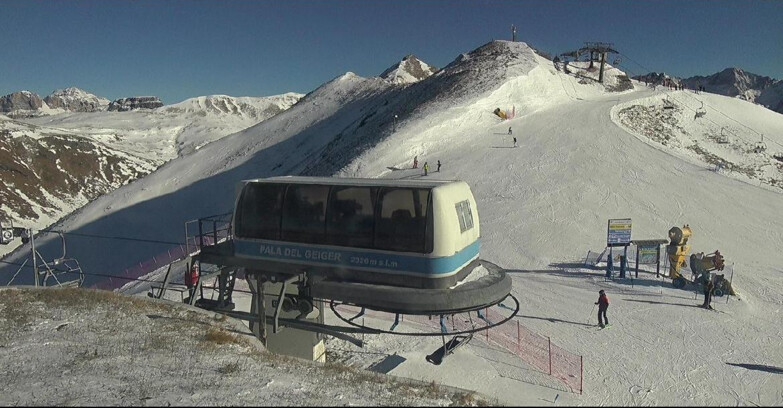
point(407, 71)
point(76, 100)
point(20, 101)
point(137, 102)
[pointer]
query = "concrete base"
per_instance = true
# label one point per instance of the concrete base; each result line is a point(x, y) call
point(288, 341)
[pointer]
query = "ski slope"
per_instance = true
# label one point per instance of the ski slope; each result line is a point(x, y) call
point(542, 206)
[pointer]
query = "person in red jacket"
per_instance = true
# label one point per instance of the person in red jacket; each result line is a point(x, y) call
point(603, 304)
point(191, 279)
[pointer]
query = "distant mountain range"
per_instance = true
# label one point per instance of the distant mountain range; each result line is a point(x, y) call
point(27, 104)
point(733, 82)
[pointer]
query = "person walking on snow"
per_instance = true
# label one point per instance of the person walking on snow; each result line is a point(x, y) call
point(416, 162)
point(438, 166)
point(603, 304)
point(515, 142)
point(509, 130)
point(708, 286)
point(426, 168)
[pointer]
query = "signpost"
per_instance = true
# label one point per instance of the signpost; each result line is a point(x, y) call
point(618, 234)
point(648, 251)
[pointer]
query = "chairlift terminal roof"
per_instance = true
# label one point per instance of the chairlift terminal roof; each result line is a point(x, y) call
point(345, 181)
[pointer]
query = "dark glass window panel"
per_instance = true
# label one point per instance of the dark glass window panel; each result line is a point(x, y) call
point(402, 219)
point(304, 213)
point(351, 216)
point(259, 211)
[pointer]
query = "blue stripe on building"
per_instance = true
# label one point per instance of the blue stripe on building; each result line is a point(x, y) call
point(331, 256)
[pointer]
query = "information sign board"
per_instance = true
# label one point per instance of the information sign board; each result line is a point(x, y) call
point(619, 232)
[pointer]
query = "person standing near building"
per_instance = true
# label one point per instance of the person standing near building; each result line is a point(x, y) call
point(603, 304)
point(191, 279)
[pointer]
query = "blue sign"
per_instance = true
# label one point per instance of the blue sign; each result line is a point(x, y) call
point(619, 232)
point(346, 257)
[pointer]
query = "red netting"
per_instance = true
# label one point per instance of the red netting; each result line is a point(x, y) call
point(532, 348)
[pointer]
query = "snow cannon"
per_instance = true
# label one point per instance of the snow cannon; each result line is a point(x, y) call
point(701, 266)
point(706, 263)
point(678, 249)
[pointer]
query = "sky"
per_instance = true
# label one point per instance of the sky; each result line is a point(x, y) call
point(182, 49)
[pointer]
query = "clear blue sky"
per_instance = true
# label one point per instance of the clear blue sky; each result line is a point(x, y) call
point(182, 49)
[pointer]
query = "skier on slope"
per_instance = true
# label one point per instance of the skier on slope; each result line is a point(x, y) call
point(426, 168)
point(603, 304)
point(416, 162)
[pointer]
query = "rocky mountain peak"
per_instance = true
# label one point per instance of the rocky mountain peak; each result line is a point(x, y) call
point(407, 71)
point(20, 101)
point(136, 102)
point(76, 100)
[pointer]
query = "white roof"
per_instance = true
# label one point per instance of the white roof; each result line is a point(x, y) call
point(354, 181)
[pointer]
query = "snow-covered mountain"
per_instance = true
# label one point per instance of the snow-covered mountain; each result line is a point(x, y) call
point(134, 103)
point(26, 104)
point(76, 100)
point(588, 152)
point(408, 71)
point(47, 173)
point(256, 108)
point(81, 155)
point(733, 82)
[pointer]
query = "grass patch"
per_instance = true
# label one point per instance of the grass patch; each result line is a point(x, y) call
point(218, 336)
point(338, 368)
point(230, 368)
point(433, 390)
point(86, 356)
point(15, 308)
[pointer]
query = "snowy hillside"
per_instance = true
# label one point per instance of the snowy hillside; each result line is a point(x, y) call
point(169, 355)
point(137, 141)
point(588, 152)
point(47, 173)
point(732, 82)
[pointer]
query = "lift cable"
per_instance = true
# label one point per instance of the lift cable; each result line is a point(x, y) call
point(710, 106)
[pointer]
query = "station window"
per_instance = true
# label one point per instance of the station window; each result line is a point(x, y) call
point(402, 219)
point(304, 213)
point(351, 216)
point(259, 211)
point(465, 215)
